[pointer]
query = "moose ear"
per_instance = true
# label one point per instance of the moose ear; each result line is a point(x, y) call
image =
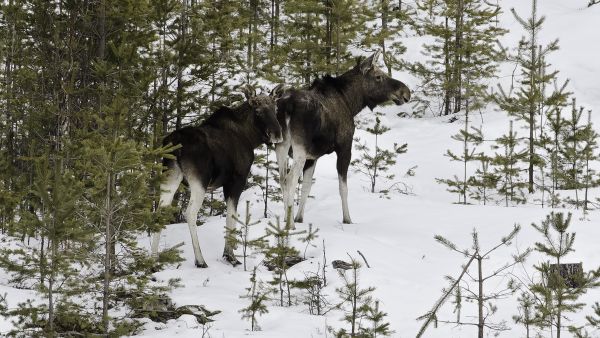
point(368, 63)
point(277, 91)
point(249, 92)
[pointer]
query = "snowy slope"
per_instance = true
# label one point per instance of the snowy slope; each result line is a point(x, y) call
point(396, 234)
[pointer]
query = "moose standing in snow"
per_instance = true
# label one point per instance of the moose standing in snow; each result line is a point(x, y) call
point(219, 153)
point(320, 120)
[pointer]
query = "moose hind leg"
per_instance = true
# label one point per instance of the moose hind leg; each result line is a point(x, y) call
point(343, 161)
point(168, 189)
point(281, 152)
point(309, 170)
point(197, 192)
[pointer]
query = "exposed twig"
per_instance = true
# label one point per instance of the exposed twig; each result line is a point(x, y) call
point(364, 259)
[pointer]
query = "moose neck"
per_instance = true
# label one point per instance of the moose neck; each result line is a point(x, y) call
point(352, 93)
point(246, 128)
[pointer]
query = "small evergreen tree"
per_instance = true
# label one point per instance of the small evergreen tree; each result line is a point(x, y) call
point(524, 103)
point(589, 153)
point(484, 181)
point(257, 297)
point(375, 163)
point(556, 297)
point(359, 308)
point(464, 44)
point(526, 316)
point(470, 137)
point(279, 256)
point(243, 235)
point(484, 299)
point(506, 168)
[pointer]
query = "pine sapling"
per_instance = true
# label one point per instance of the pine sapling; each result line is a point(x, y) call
point(376, 163)
point(526, 316)
point(506, 168)
point(361, 311)
point(309, 236)
point(469, 137)
point(242, 235)
point(555, 294)
point(281, 255)
point(484, 181)
point(257, 297)
point(483, 298)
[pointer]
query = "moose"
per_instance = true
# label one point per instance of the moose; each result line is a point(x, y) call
point(320, 120)
point(219, 153)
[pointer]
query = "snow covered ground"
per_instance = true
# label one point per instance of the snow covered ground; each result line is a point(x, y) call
point(396, 234)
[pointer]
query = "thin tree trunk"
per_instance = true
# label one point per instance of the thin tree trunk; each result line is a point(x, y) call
point(108, 252)
point(457, 81)
point(447, 72)
point(481, 322)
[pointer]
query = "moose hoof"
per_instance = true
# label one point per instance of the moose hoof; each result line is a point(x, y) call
point(299, 219)
point(347, 221)
point(231, 259)
point(202, 265)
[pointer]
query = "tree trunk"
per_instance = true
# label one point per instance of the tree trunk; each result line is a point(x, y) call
point(447, 72)
point(481, 322)
point(384, 26)
point(457, 80)
point(107, 253)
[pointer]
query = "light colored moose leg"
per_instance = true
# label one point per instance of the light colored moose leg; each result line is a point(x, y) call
point(196, 198)
point(168, 189)
point(344, 194)
point(306, 185)
point(281, 151)
point(291, 180)
point(228, 252)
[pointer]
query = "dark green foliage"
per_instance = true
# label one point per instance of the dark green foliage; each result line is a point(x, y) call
point(279, 256)
point(484, 181)
point(361, 311)
point(375, 163)
point(528, 101)
point(506, 168)
point(526, 316)
point(555, 298)
point(464, 45)
point(470, 137)
point(257, 297)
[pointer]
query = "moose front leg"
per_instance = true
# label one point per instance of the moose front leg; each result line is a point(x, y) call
point(232, 192)
point(343, 162)
point(309, 170)
point(290, 182)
